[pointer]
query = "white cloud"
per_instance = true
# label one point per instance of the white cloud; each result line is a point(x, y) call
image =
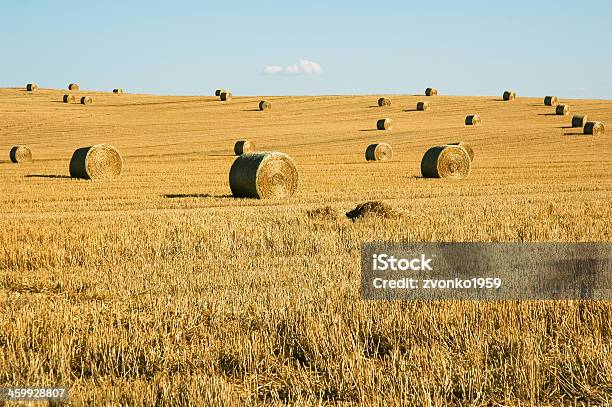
point(292, 69)
point(303, 67)
point(310, 67)
point(272, 69)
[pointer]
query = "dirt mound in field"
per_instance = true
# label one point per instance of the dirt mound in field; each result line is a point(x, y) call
point(375, 209)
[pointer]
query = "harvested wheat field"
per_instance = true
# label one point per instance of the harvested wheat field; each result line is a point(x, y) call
point(159, 287)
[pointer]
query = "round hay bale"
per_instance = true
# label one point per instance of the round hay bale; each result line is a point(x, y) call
point(265, 105)
point(86, 100)
point(31, 87)
point(69, 99)
point(472, 120)
point(509, 95)
point(466, 146)
point(551, 101)
point(594, 128)
point(21, 154)
point(431, 92)
point(422, 106)
point(562, 110)
point(384, 124)
point(226, 96)
point(101, 161)
point(118, 91)
point(379, 152)
point(265, 175)
point(73, 86)
point(243, 147)
point(579, 120)
point(384, 102)
point(218, 92)
point(446, 162)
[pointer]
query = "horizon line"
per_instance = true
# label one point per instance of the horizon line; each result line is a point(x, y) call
point(298, 95)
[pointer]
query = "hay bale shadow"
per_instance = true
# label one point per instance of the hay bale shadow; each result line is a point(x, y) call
point(411, 110)
point(549, 114)
point(251, 110)
point(575, 133)
point(179, 196)
point(195, 195)
point(53, 176)
point(369, 130)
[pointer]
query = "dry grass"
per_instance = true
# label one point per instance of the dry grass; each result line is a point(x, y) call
point(325, 213)
point(161, 289)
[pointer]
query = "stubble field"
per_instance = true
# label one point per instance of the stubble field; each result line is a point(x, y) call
point(160, 288)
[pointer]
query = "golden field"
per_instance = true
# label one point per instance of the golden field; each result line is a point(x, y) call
point(161, 289)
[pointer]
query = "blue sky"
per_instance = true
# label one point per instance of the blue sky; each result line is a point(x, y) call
point(348, 47)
